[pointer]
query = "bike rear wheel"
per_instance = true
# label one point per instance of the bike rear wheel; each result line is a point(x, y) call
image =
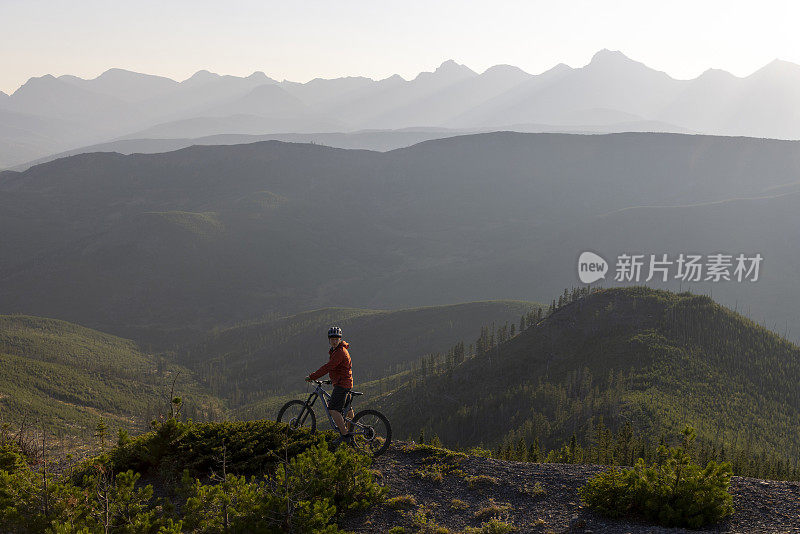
point(372, 432)
point(298, 415)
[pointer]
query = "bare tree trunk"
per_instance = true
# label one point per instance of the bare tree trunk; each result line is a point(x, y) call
point(45, 496)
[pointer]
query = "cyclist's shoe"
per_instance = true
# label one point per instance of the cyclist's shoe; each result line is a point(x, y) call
point(344, 440)
point(347, 439)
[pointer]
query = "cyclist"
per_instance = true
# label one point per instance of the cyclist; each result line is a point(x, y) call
point(340, 370)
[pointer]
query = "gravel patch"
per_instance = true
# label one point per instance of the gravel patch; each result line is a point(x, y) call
point(539, 498)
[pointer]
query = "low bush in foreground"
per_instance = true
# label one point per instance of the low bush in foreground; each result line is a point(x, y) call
point(34, 502)
point(673, 491)
point(481, 481)
point(249, 447)
point(494, 526)
point(402, 501)
point(299, 486)
point(306, 494)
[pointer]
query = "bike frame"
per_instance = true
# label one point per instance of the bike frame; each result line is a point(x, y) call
point(319, 392)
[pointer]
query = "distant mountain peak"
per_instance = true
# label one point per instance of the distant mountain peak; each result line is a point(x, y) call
point(202, 76)
point(716, 74)
point(448, 70)
point(780, 63)
point(116, 71)
point(258, 75)
point(450, 66)
point(37, 81)
point(609, 56)
point(124, 75)
point(561, 67)
point(47, 77)
point(394, 78)
point(504, 68)
point(615, 61)
point(778, 67)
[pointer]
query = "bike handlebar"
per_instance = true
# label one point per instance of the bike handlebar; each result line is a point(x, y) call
point(320, 382)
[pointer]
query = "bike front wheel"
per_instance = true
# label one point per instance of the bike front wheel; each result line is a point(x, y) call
point(372, 432)
point(298, 415)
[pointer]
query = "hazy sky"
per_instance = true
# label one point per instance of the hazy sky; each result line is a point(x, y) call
point(300, 40)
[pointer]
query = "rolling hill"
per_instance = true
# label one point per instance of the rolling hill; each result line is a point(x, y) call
point(63, 377)
point(466, 218)
point(378, 140)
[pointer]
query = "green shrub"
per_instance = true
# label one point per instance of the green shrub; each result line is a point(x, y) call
point(16, 452)
point(425, 523)
point(430, 473)
point(251, 447)
point(491, 509)
point(402, 501)
point(302, 486)
point(104, 503)
point(236, 505)
point(534, 490)
point(478, 481)
point(479, 451)
point(438, 463)
point(11, 458)
point(671, 492)
point(439, 452)
point(458, 504)
point(494, 526)
point(305, 494)
point(342, 473)
point(19, 502)
point(609, 492)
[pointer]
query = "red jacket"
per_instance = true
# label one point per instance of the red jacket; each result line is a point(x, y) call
point(338, 367)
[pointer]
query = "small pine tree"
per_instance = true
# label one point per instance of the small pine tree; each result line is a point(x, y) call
point(100, 432)
point(572, 449)
point(533, 451)
point(521, 454)
point(674, 491)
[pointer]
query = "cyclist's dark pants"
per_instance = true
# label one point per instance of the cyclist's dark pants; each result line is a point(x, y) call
point(338, 398)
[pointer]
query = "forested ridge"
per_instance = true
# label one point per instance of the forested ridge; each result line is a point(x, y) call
point(610, 374)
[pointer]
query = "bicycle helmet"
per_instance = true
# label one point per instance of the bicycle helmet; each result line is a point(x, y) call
point(335, 331)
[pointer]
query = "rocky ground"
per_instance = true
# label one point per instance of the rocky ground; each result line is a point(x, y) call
point(436, 491)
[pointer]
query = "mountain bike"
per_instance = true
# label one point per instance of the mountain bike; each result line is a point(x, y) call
point(371, 432)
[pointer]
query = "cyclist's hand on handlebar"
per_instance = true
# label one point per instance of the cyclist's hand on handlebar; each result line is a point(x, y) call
point(307, 379)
